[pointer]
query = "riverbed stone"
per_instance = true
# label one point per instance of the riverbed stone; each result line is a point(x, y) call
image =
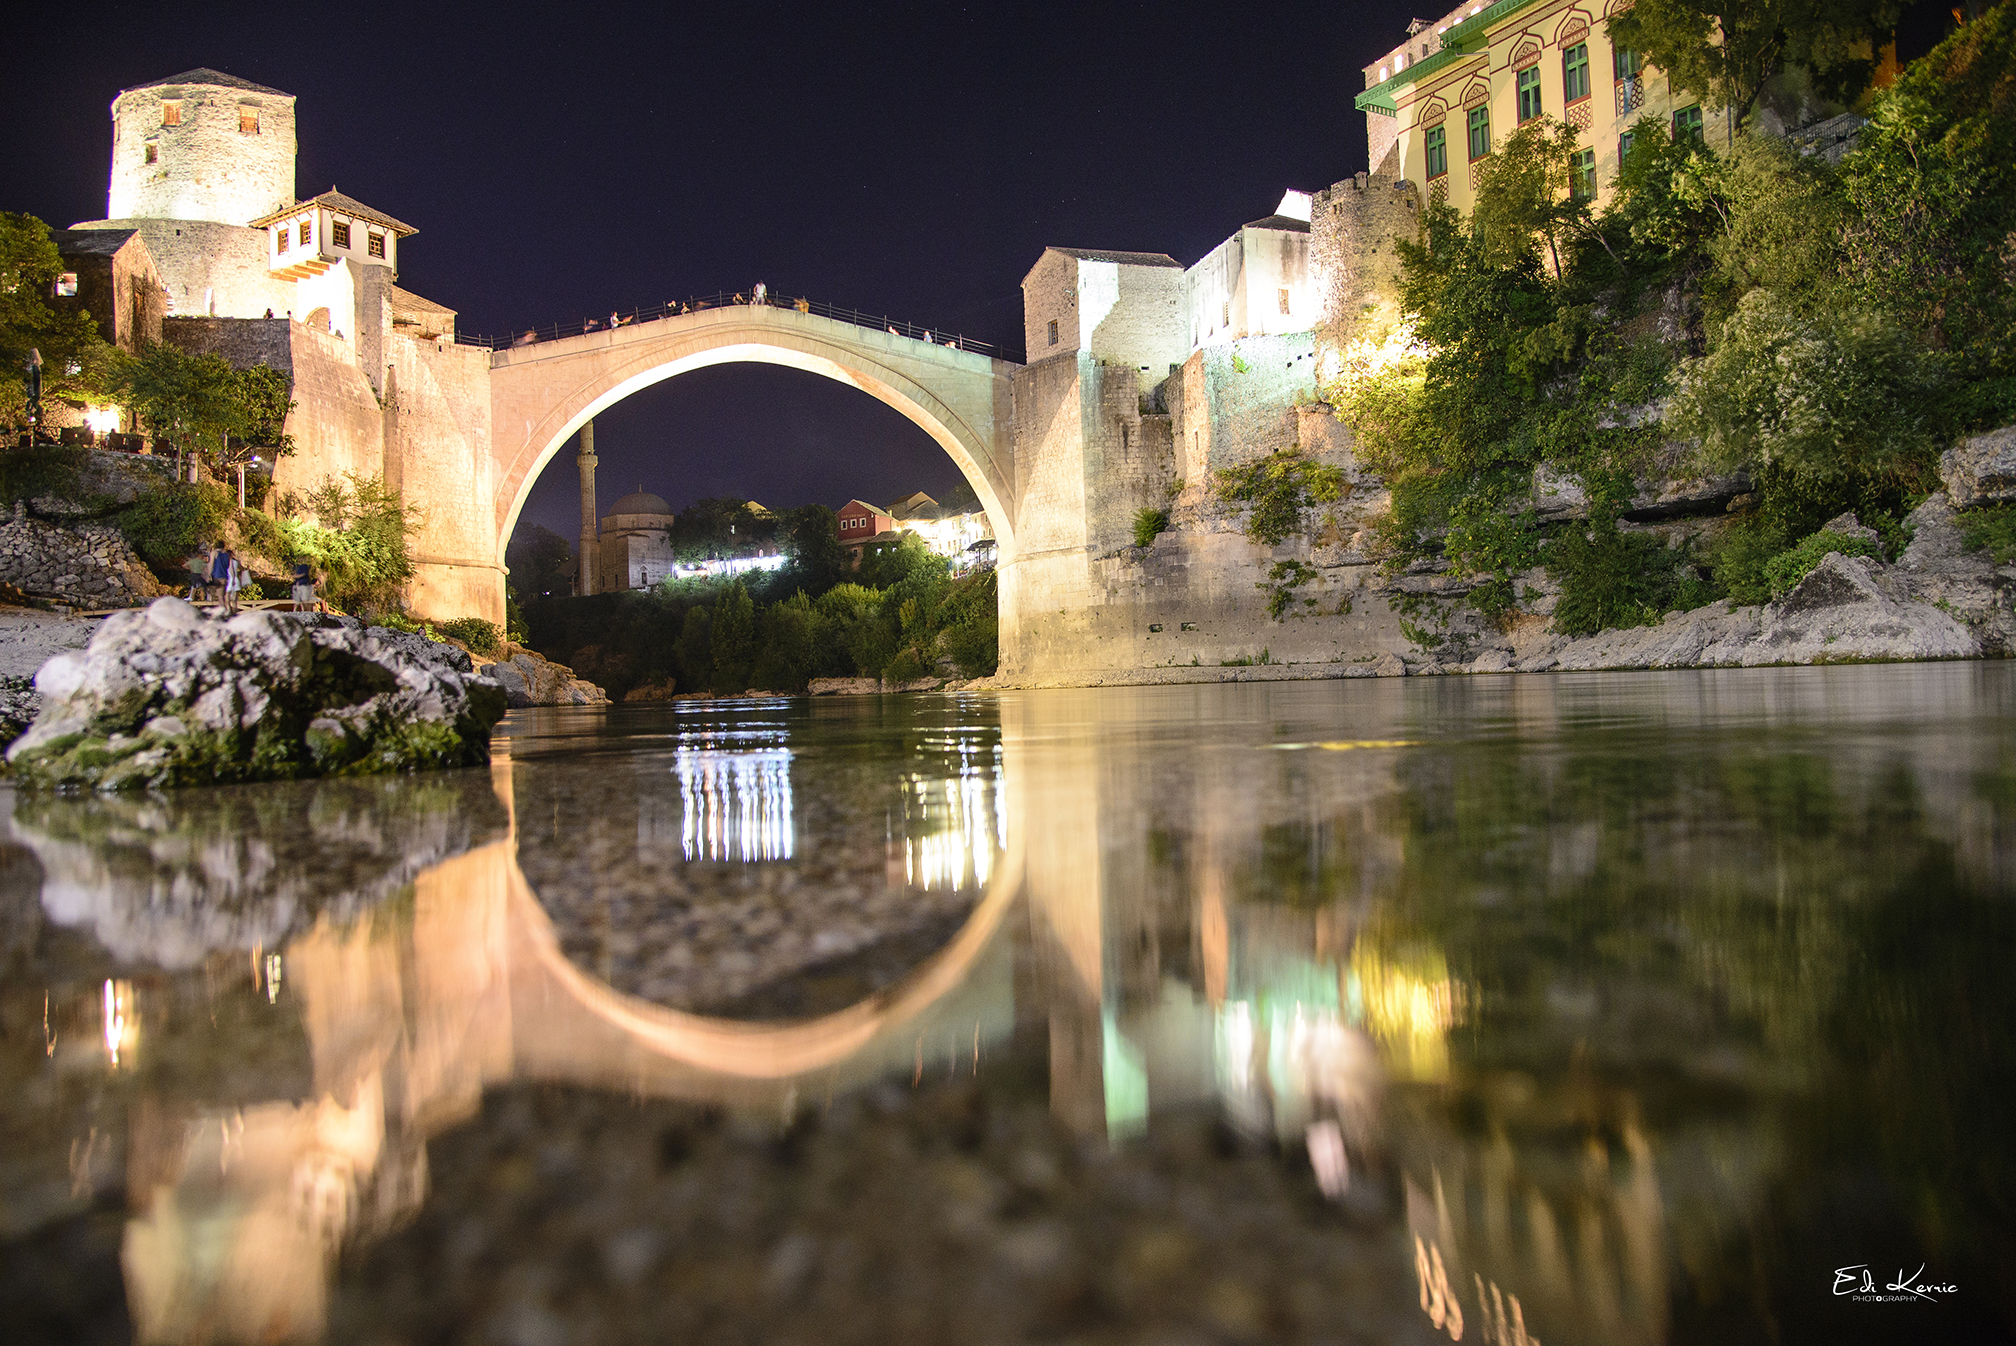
point(530, 679)
point(167, 696)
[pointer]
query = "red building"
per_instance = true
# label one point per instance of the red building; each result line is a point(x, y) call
point(859, 522)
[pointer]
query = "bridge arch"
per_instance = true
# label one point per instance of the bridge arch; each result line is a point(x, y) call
point(542, 394)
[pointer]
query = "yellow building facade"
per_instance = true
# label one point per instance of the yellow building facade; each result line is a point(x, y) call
point(1438, 103)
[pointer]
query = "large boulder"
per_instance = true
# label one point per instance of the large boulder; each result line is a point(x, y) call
point(167, 696)
point(528, 679)
point(1981, 470)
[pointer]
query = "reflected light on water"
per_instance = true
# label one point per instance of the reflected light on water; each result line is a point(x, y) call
point(951, 829)
point(736, 805)
point(122, 1028)
point(1408, 1003)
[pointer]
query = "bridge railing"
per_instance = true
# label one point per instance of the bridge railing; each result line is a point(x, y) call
point(880, 322)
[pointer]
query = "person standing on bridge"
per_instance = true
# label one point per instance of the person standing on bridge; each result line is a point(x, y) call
point(760, 295)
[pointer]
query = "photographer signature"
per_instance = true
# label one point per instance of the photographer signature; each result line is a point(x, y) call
point(1856, 1280)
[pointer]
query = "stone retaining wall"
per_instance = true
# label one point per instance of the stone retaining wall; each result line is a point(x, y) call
point(90, 565)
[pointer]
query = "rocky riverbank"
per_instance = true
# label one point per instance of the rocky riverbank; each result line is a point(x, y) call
point(169, 696)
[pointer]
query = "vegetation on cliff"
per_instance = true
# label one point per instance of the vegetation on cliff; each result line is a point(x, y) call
point(1824, 330)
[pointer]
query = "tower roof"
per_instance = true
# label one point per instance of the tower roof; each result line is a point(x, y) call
point(347, 205)
point(205, 75)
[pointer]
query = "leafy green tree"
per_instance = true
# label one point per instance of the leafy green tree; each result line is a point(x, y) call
point(1825, 398)
point(812, 541)
point(696, 649)
point(1726, 51)
point(734, 640)
point(1525, 194)
point(720, 526)
point(1932, 186)
point(358, 544)
point(73, 354)
point(541, 562)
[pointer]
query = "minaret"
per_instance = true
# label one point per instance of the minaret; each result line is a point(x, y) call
point(590, 548)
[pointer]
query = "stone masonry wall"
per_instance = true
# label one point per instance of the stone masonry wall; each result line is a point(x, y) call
point(1354, 265)
point(437, 453)
point(89, 565)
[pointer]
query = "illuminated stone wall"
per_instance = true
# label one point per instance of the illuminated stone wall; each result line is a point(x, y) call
point(1354, 267)
point(209, 165)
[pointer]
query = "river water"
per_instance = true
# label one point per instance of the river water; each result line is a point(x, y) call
point(1616, 1009)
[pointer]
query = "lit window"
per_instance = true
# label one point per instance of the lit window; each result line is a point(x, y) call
point(1575, 72)
point(1624, 148)
point(153, 153)
point(1582, 167)
point(171, 112)
point(1687, 124)
point(1438, 151)
point(1529, 93)
point(307, 232)
point(280, 239)
point(1284, 303)
point(248, 121)
point(339, 233)
point(1623, 63)
point(66, 285)
point(1480, 132)
point(374, 243)
point(1053, 331)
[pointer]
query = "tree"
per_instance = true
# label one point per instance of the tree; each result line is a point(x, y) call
point(73, 354)
point(1725, 51)
point(1526, 192)
point(541, 562)
point(201, 403)
point(720, 526)
point(734, 639)
point(813, 542)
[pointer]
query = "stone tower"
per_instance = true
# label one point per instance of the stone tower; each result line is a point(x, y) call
point(201, 145)
point(1353, 226)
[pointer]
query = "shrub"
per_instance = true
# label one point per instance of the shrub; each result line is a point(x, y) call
point(1610, 578)
point(1279, 487)
point(359, 545)
point(1784, 571)
point(1993, 528)
point(479, 635)
point(167, 524)
point(1148, 524)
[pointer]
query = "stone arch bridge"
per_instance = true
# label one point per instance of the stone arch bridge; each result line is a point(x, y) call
point(542, 394)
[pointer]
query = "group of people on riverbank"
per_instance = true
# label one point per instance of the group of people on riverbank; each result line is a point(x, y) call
point(218, 575)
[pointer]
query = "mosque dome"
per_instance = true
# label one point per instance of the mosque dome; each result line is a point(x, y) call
point(640, 501)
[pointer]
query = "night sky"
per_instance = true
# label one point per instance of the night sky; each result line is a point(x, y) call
point(563, 160)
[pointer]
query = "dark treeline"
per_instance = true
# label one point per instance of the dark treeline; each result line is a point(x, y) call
point(901, 616)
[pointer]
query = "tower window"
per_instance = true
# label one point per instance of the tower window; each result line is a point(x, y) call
point(374, 243)
point(1575, 72)
point(280, 239)
point(1226, 314)
point(339, 233)
point(307, 232)
point(1480, 132)
point(1284, 303)
point(1438, 151)
point(1053, 331)
point(171, 112)
point(1529, 93)
point(153, 153)
point(248, 121)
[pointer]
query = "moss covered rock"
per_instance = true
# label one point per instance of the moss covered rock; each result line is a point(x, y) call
point(168, 696)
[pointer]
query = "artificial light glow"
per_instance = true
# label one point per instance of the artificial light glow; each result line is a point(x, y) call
point(121, 1028)
point(102, 420)
point(1408, 1003)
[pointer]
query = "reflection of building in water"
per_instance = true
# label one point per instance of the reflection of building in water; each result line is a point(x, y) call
point(736, 805)
point(950, 830)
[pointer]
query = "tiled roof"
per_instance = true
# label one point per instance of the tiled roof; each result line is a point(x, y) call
point(205, 75)
point(1123, 258)
point(348, 205)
